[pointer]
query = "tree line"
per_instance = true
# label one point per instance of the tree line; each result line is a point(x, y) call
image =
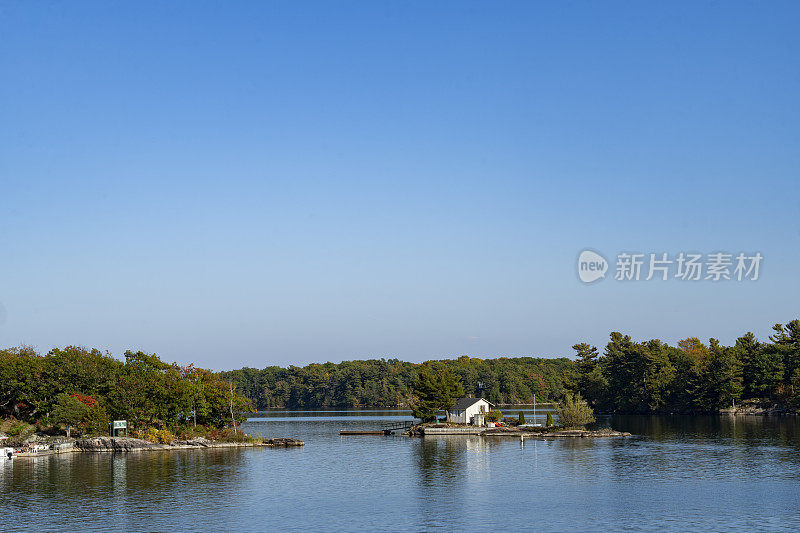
point(627, 377)
point(86, 389)
point(651, 376)
point(389, 383)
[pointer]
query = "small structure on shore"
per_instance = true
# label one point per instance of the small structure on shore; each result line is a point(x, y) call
point(119, 428)
point(470, 411)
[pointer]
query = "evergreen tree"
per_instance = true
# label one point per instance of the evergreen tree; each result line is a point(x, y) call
point(724, 376)
point(586, 357)
point(435, 389)
point(592, 383)
point(626, 370)
point(766, 371)
point(747, 348)
point(787, 342)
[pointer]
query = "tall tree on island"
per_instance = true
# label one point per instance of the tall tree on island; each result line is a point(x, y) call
point(591, 381)
point(435, 389)
point(787, 343)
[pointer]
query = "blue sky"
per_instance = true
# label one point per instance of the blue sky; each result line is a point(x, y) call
point(286, 182)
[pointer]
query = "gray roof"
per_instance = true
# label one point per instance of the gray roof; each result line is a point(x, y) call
point(463, 403)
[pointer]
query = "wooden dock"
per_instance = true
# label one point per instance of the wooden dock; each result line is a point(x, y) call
point(387, 429)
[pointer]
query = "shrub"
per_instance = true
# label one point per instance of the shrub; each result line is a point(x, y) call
point(17, 428)
point(549, 419)
point(521, 417)
point(574, 411)
point(494, 416)
point(18, 431)
point(160, 436)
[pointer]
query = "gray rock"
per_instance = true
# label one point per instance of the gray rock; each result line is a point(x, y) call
point(113, 444)
point(283, 442)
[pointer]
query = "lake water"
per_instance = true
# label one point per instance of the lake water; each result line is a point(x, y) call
point(679, 473)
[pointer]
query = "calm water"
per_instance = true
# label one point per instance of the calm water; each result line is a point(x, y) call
point(680, 473)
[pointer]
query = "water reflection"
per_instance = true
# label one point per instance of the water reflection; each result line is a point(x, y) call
point(755, 430)
point(699, 473)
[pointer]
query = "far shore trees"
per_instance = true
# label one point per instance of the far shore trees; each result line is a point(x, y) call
point(626, 376)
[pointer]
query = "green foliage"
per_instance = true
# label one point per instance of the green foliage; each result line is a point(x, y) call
point(435, 389)
point(573, 411)
point(390, 383)
point(646, 377)
point(521, 417)
point(549, 419)
point(633, 377)
point(82, 389)
point(96, 420)
point(787, 347)
point(17, 428)
point(629, 376)
point(494, 416)
point(70, 411)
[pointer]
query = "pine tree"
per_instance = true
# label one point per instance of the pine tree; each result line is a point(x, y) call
point(787, 342)
point(435, 390)
point(591, 381)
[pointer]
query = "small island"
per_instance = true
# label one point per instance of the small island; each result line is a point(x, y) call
point(437, 389)
point(77, 400)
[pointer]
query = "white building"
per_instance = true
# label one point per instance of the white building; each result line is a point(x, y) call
point(469, 411)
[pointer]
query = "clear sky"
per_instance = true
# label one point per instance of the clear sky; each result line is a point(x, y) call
point(237, 183)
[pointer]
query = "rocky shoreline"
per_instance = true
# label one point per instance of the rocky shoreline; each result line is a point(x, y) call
point(129, 444)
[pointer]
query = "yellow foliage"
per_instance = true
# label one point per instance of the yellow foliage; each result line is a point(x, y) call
point(160, 436)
